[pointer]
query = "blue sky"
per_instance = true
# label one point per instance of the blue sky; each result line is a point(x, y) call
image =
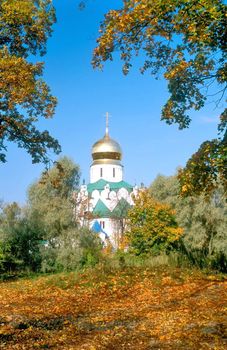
point(150, 147)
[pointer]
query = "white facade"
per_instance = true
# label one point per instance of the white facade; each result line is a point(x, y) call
point(109, 172)
point(104, 201)
point(111, 198)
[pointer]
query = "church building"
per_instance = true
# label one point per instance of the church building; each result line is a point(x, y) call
point(102, 204)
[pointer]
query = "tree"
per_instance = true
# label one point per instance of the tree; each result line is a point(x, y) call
point(152, 226)
point(186, 41)
point(203, 221)
point(24, 97)
point(20, 237)
point(50, 198)
point(44, 235)
point(205, 170)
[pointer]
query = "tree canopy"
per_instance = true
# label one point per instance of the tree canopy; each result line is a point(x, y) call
point(151, 226)
point(24, 96)
point(186, 42)
point(44, 235)
point(204, 221)
point(20, 237)
point(51, 197)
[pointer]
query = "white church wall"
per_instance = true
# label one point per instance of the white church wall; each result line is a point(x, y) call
point(108, 172)
point(110, 198)
point(122, 193)
point(110, 227)
point(95, 195)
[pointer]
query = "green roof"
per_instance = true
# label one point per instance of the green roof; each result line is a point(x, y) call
point(114, 186)
point(101, 210)
point(121, 209)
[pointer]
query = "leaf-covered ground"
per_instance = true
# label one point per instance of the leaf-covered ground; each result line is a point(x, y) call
point(129, 309)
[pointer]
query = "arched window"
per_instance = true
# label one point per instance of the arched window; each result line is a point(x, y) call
point(101, 172)
point(114, 173)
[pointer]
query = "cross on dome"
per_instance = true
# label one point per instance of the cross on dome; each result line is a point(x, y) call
point(106, 150)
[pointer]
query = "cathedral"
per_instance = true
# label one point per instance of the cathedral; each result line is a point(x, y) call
point(102, 204)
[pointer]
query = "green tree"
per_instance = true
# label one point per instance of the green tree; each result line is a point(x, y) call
point(67, 246)
point(90, 245)
point(76, 247)
point(44, 235)
point(50, 198)
point(186, 42)
point(204, 221)
point(152, 226)
point(20, 237)
point(24, 97)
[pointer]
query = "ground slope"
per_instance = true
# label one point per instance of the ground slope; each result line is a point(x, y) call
point(127, 309)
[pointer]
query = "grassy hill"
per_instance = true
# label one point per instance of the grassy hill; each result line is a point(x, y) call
point(130, 308)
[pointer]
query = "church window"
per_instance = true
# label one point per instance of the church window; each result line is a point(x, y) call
point(101, 172)
point(114, 172)
point(102, 224)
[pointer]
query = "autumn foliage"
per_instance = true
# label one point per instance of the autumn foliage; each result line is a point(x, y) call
point(206, 169)
point(185, 42)
point(24, 96)
point(133, 308)
point(152, 226)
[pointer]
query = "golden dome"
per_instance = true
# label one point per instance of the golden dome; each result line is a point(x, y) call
point(106, 150)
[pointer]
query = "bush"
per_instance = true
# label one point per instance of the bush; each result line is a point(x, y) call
point(74, 249)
